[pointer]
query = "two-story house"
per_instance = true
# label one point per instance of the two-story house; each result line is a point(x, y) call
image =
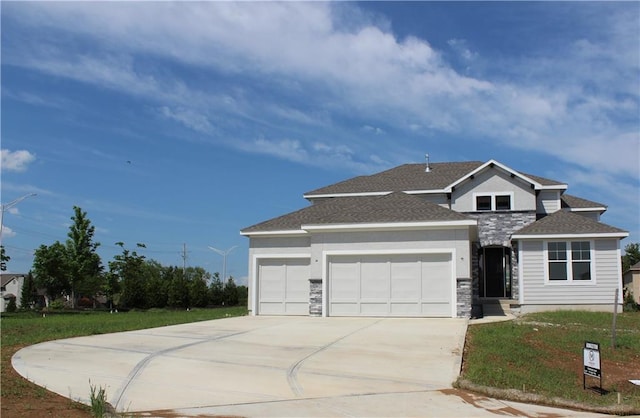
point(10, 288)
point(435, 240)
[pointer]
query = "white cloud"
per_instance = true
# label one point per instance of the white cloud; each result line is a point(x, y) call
point(189, 118)
point(460, 46)
point(16, 160)
point(576, 97)
point(7, 232)
point(373, 129)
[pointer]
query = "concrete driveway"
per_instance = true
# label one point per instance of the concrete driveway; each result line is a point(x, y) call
point(271, 366)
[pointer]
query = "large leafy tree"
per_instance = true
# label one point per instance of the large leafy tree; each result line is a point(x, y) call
point(51, 269)
point(85, 266)
point(129, 268)
point(178, 292)
point(197, 283)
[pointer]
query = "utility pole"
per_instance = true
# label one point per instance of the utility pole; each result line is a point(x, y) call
point(184, 260)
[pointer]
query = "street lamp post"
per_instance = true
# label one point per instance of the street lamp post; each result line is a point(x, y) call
point(5, 207)
point(224, 259)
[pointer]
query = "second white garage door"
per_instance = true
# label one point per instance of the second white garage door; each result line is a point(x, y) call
point(283, 286)
point(391, 285)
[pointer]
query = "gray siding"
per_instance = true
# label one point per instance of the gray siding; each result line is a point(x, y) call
point(548, 202)
point(437, 198)
point(606, 277)
point(493, 181)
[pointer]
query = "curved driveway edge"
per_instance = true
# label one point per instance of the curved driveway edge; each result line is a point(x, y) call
point(253, 365)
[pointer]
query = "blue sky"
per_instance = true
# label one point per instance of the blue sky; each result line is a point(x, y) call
point(182, 123)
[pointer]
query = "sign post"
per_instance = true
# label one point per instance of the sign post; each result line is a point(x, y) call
point(591, 356)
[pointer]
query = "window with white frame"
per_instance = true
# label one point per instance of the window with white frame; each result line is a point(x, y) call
point(493, 202)
point(569, 261)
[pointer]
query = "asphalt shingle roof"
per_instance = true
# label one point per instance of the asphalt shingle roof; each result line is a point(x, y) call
point(403, 178)
point(396, 207)
point(563, 222)
point(411, 177)
point(573, 202)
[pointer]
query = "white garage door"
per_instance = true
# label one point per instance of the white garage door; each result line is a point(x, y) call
point(283, 286)
point(391, 285)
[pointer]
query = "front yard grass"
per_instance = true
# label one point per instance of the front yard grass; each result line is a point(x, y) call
point(542, 354)
point(21, 398)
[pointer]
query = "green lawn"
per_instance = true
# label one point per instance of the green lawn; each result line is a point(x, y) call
point(25, 328)
point(542, 354)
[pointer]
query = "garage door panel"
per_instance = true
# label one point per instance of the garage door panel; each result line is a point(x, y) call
point(436, 277)
point(297, 282)
point(405, 309)
point(271, 282)
point(442, 309)
point(374, 281)
point(374, 308)
point(345, 283)
point(345, 309)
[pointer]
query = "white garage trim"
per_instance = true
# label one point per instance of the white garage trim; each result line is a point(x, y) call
point(255, 262)
point(326, 255)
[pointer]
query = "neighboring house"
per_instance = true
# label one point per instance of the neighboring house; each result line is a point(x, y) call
point(631, 280)
point(11, 288)
point(435, 240)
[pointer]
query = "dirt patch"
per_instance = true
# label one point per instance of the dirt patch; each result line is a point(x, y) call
point(490, 405)
point(23, 399)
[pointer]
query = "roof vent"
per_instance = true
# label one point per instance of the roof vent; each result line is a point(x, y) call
point(426, 170)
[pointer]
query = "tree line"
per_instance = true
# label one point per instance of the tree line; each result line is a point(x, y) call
point(73, 272)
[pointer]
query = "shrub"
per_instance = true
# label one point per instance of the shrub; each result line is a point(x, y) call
point(11, 306)
point(630, 304)
point(57, 304)
point(85, 303)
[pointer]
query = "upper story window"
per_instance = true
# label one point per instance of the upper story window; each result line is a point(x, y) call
point(569, 261)
point(493, 201)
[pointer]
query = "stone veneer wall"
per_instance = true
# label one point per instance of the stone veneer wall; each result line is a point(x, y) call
point(315, 297)
point(495, 229)
point(464, 297)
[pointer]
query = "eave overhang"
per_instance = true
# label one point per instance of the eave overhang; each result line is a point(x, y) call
point(397, 226)
point(619, 235)
point(290, 232)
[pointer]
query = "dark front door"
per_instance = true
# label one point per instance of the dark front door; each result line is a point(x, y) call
point(496, 272)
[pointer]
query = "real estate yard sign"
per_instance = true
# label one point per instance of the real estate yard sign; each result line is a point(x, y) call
point(591, 355)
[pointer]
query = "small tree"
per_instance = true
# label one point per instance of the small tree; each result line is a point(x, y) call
point(216, 291)
point(84, 263)
point(29, 294)
point(230, 293)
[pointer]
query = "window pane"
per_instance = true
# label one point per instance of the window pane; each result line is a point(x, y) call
point(581, 270)
point(557, 250)
point(580, 250)
point(503, 202)
point(557, 271)
point(483, 203)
